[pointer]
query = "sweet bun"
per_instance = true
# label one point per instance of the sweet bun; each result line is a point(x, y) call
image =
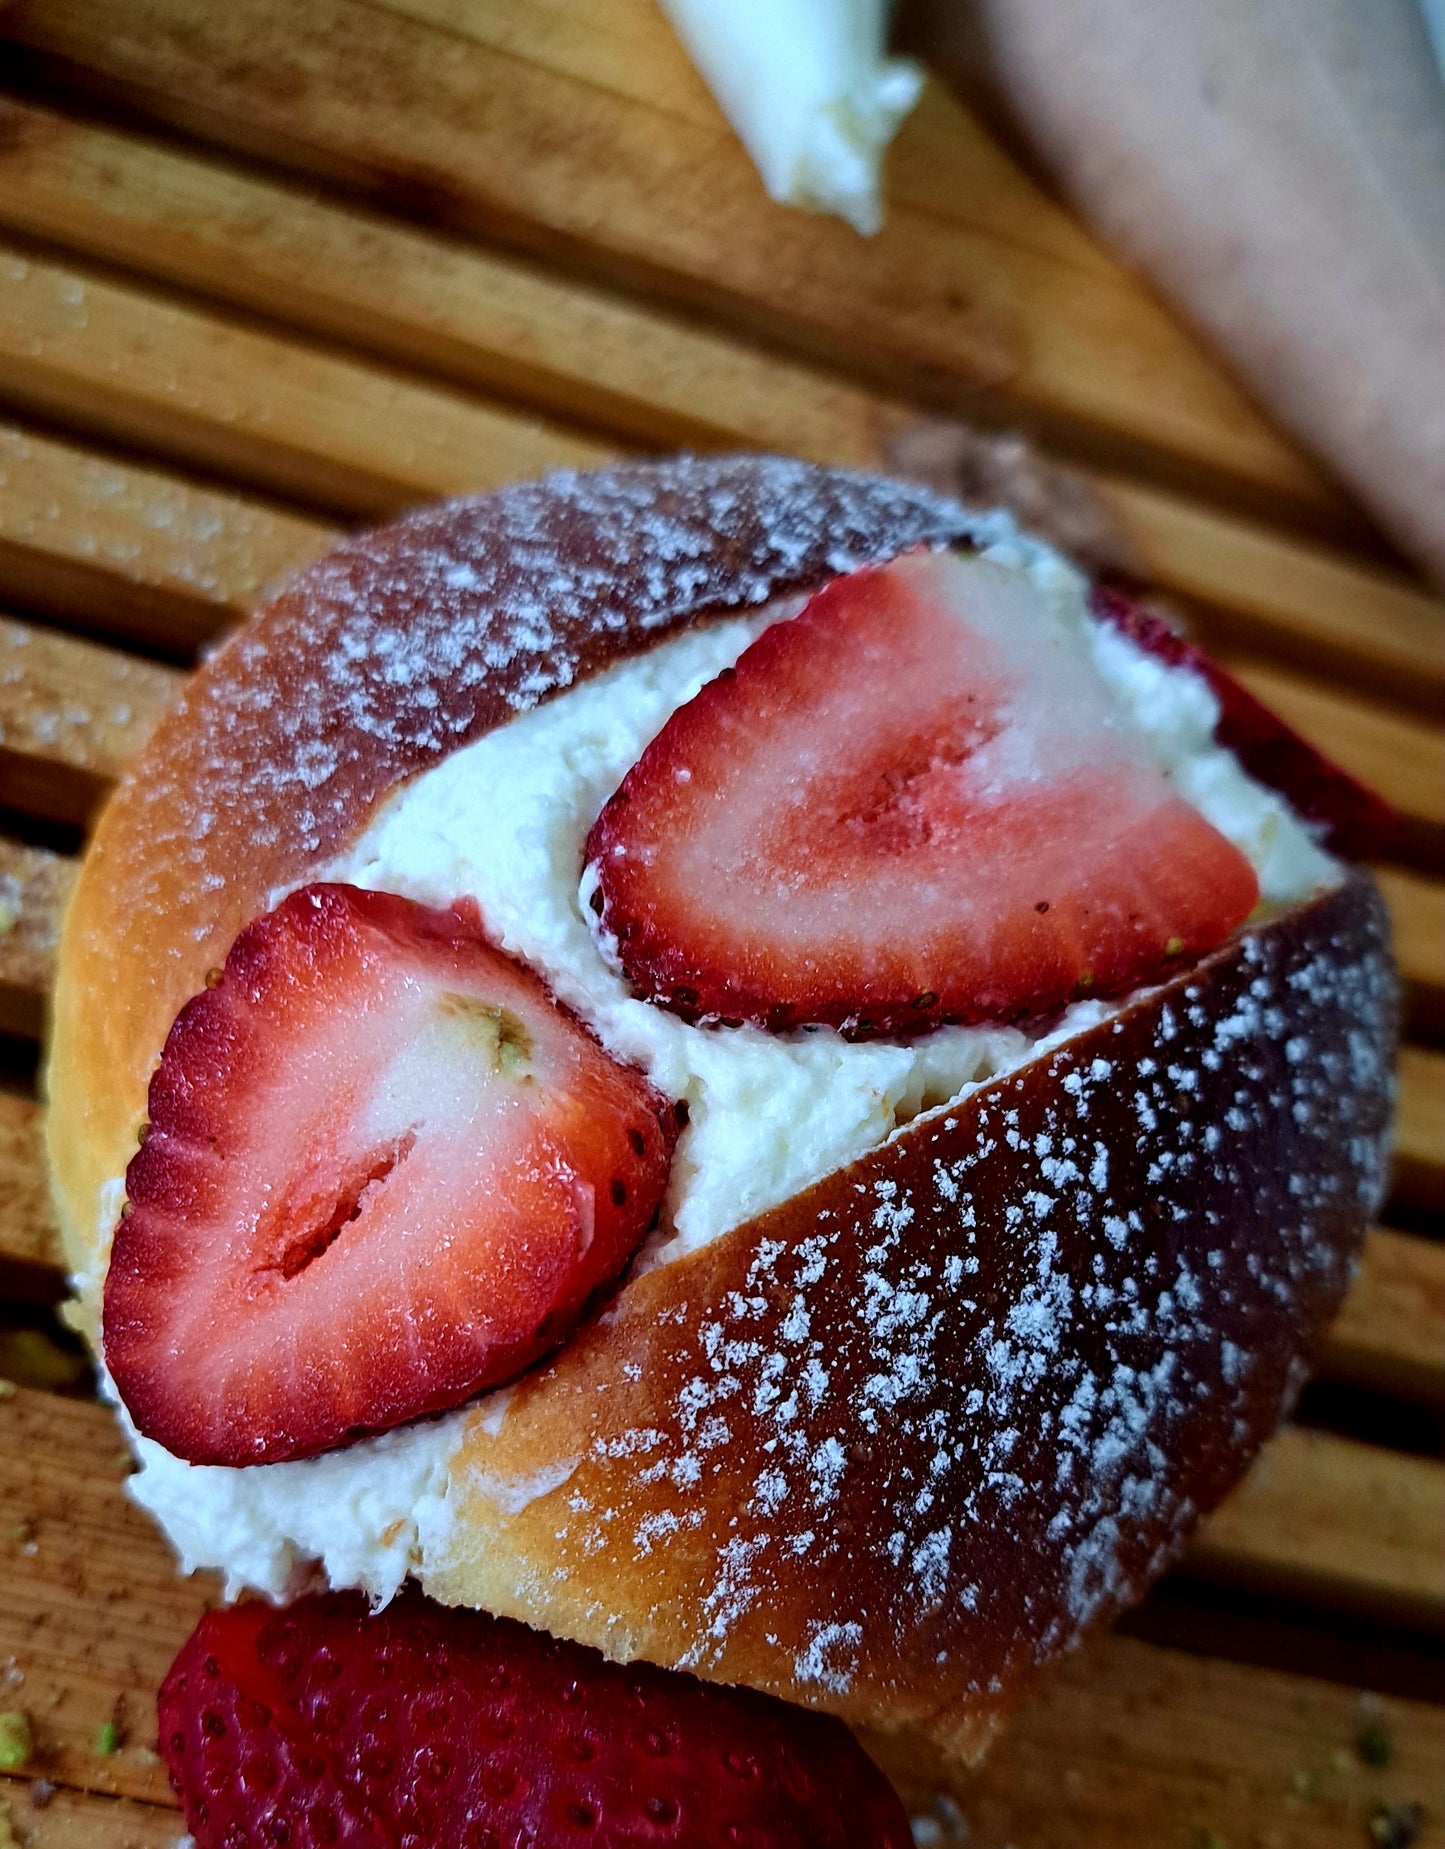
point(890, 1447)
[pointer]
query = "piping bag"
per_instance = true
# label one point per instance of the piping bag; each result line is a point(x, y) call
point(808, 88)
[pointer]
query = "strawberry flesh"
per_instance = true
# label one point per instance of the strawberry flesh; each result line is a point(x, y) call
point(423, 1725)
point(1348, 818)
point(383, 1170)
point(914, 802)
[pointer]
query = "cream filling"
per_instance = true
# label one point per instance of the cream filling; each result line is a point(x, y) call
point(504, 820)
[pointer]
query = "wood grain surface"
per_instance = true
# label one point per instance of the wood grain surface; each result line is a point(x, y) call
point(1136, 1737)
point(979, 293)
point(439, 307)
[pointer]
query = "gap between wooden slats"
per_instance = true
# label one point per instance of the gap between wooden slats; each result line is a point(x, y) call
point(94, 1613)
point(1417, 924)
point(85, 1819)
point(32, 1265)
point(34, 890)
point(1390, 1334)
point(1324, 1517)
point(71, 715)
point(1403, 758)
point(979, 289)
point(1419, 1171)
point(73, 342)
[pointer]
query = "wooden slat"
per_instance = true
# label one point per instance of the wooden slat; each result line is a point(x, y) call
point(31, 1262)
point(1325, 1517)
point(71, 714)
point(133, 551)
point(94, 1614)
point(1417, 921)
point(85, 1820)
point(476, 316)
point(1248, 585)
point(1134, 1745)
point(489, 320)
point(1403, 758)
point(1420, 1128)
point(34, 888)
point(979, 291)
point(1142, 1744)
point(281, 414)
point(1390, 1335)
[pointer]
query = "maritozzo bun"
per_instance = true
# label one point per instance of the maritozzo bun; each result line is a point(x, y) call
point(942, 1342)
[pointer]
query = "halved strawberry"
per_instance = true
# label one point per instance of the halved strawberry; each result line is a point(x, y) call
point(428, 1728)
point(383, 1170)
point(1348, 818)
point(914, 802)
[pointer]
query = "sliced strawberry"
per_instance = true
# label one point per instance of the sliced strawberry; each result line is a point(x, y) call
point(1347, 817)
point(383, 1171)
point(424, 1726)
point(914, 802)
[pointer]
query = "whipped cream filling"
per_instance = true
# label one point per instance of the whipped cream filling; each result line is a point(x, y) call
point(504, 821)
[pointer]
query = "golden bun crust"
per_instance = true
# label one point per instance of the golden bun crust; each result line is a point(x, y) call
point(891, 1447)
point(363, 670)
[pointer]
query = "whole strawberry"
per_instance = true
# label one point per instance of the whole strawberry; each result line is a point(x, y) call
point(425, 1726)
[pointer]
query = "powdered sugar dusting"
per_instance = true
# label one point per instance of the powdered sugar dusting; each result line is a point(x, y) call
point(404, 642)
point(982, 1370)
point(1027, 1367)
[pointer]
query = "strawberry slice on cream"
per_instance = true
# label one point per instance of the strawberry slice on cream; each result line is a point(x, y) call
point(917, 801)
point(383, 1170)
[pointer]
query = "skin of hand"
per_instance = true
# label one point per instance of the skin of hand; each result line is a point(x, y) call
point(1277, 167)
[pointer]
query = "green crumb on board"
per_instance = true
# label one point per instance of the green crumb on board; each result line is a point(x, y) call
point(1309, 1784)
point(107, 1739)
point(1210, 1839)
point(16, 1741)
point(8, 1389)
point(1373, 1744)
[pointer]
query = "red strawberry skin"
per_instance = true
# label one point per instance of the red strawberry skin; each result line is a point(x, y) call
point(425, 1727)
point(1349, 819)
point(383, 1170)
point(914, 802)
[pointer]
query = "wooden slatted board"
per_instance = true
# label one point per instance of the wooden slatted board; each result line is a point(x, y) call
point(267, 270)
